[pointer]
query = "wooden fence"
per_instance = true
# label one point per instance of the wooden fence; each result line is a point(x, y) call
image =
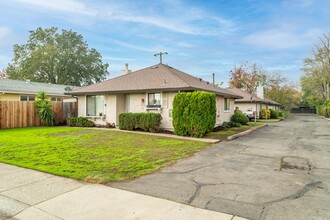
point(16, 114)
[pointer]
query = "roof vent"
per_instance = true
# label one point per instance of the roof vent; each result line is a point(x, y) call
point(200, 79)
point(68, 88)
point(154, 67)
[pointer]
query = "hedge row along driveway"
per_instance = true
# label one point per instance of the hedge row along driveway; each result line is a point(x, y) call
point(93, 155)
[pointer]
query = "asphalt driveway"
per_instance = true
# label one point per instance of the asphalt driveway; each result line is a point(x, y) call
point(279, 172)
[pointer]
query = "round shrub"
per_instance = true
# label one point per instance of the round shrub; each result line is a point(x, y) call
point(239, 117)
point(273, 113)
point(280, 114)
point(230, 124)
point(265, 114)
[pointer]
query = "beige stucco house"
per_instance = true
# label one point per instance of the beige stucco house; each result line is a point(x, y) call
point(19, 90)
point(151, 89)
point(253, 102)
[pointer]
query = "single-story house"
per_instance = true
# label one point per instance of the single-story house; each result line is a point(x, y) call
point(18, 90)
point(253, 102)
point(151, 89)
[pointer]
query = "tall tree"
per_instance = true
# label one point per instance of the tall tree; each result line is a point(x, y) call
point(316, 79)
point(246, 77)
point(57, 57)
point(274, 84)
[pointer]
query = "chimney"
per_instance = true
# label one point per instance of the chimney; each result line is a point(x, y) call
point(126, 70)
point(260, 92)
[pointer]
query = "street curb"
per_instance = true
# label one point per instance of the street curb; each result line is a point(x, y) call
point(325, 118)
point(280, 119)
point(232, 137)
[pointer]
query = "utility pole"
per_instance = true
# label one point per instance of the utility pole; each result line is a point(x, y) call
point(160, 54)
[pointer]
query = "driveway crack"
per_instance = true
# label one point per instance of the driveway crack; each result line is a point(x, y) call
point(308, 187)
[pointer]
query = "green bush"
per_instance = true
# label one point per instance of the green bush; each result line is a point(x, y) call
point(230, 124)
point(319, 109)
point(239, 117)
point(79, 122)
point(145, 121)
point(286, 114)
point(194, 113)
point(274, 113)
point(280, 114)
point(46, 115)
point(326, 111)
point(265, 114)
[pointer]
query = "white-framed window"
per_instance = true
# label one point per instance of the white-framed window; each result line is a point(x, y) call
point(27, 98)
point(95, 105)
point(154, 99)
point(227, 105)
point(53, 99)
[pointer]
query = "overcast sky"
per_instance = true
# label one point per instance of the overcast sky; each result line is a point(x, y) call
point(201, 37)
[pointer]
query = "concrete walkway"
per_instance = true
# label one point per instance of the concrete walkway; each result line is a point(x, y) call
point(29, 194)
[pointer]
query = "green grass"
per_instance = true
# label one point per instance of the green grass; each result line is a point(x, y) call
point(224, 134)
point(90, 154)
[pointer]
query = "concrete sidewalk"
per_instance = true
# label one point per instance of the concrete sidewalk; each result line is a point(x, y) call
point(29, 194)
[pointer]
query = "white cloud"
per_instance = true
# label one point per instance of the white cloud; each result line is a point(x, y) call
point(4, 33)
point(132, 46)
point(282, 38)
point(117, 58)
point(71, 6)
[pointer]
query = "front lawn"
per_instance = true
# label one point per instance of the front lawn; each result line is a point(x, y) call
point(224, 134)
point(92, 155)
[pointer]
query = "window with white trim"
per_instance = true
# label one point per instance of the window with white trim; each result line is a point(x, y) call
point(94, 105)
point(24, 98)
point(154, 100)
point(227, 104)
point(53, 99)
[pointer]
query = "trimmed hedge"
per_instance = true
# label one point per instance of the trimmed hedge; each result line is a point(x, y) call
point(274, 113)
point(79, 122)
point(194, 113)
point(145, 121)
point(265, 114)
point(239, 117)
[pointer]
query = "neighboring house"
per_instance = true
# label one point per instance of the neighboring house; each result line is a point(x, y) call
point(252, 101)
point(151, 89)
point(17, 90)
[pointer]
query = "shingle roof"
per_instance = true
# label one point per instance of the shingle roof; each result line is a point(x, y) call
point(248, 97)
point(27, 87)
point(272, 102)
point(159, 77)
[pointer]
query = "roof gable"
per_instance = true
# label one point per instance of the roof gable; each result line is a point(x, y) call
point(158, 77)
